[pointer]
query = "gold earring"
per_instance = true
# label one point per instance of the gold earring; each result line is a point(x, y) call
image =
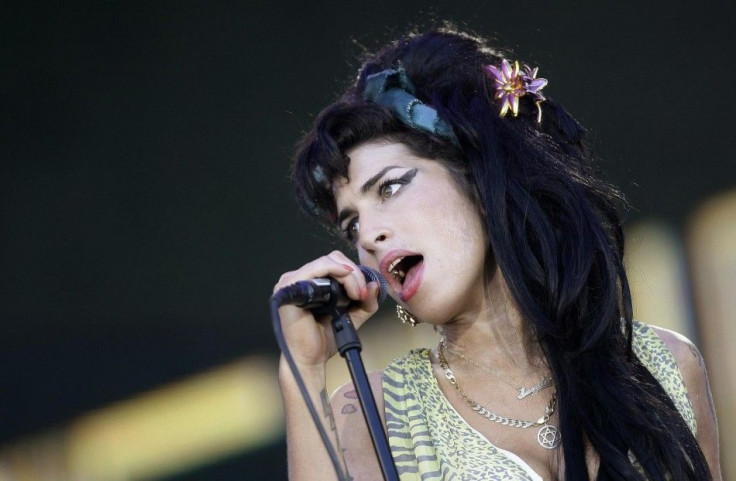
point(406, 317)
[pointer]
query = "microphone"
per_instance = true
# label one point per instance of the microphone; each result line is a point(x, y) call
point(324, 294)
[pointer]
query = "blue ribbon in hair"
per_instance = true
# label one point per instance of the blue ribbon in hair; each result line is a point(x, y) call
point(393, 90)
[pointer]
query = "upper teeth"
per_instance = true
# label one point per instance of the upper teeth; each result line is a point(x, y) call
point(394, 264)
point(392, 267)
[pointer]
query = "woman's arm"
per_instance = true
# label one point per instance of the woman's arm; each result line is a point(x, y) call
point(312, 344)
point(693, 371)
point(307, 457)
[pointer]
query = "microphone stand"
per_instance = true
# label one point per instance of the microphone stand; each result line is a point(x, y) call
point(349, 347)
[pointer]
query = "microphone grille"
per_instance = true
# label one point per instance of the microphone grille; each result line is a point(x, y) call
point(372, 275)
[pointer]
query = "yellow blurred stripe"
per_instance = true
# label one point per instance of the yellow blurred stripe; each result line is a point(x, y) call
point(655, 269)
point(208, 416)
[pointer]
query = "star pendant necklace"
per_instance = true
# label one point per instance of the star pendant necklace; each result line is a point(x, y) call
point(548, 436)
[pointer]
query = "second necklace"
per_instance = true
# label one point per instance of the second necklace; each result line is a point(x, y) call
point(548, 436)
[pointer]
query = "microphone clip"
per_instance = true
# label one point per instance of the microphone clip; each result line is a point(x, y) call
point(346, 336)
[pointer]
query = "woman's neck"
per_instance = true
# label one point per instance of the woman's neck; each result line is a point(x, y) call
point(495, 332)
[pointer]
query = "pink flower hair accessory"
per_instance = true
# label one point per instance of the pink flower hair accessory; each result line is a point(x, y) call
point(512, 83)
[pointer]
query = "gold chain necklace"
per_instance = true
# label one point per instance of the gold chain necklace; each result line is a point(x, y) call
point(523, 391)
point(548, 436)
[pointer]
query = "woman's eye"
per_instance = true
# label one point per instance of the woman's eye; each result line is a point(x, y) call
point(388, 190)
point(351, 230)
point(389, 187)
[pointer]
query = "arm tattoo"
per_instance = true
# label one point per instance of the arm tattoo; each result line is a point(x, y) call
point(350, 408)
point(711, 404)
point(694, 351)
point(699, 357)
point(327, 409)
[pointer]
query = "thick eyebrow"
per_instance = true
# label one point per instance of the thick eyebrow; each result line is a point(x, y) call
point(365, 188)
point(372, 181)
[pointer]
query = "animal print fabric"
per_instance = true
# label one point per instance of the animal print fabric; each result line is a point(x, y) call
point(430, 441)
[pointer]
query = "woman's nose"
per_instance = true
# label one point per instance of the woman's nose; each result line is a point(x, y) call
point(372, 234)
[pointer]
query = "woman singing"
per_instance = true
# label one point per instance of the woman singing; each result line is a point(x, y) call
point(449, 172)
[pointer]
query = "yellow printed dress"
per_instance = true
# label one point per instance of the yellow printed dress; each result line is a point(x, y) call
point(430, 441)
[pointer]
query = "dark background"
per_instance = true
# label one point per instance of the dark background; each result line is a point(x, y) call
point(145, 206)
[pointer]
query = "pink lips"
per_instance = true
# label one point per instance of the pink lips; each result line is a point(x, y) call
point(413, 279)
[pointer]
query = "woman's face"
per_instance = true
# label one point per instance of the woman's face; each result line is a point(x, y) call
point(409, 219)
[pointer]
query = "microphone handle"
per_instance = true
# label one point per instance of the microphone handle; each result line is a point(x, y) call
point(323, 295)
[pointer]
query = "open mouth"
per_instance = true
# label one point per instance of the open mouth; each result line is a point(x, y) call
point(401, 266)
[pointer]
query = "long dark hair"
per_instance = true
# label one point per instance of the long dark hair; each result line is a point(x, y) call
point(554, 231)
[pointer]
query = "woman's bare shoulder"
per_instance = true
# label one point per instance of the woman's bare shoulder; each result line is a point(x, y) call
point(684, 350)
point(689, 361)
point(692, 366)
point(345, 397)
